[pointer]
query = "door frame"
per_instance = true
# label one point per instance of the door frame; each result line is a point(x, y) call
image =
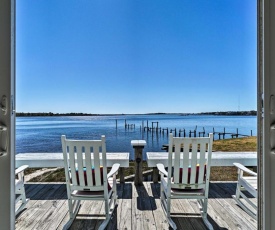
point(266, 114)
point(7, 115)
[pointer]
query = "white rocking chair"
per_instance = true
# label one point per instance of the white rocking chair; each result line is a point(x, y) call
point(249, 184)
point(190, 179)
point(20, 194)
point(86, 179)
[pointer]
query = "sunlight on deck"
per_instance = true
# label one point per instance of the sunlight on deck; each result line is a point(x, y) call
point(138, 208)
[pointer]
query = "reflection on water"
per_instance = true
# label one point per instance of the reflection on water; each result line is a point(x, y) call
point(42, 134)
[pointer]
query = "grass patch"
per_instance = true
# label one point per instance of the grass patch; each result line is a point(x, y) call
point(57, 175)
point(244, 144)
point(31, 170)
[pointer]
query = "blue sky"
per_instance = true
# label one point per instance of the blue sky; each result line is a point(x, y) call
point(129, 56)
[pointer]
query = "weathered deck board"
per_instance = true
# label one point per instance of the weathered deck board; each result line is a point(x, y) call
point(37, 205)
point(142, 216)
point(229, 189)
point(138, 208)
point(159, 217)
point(124, 208)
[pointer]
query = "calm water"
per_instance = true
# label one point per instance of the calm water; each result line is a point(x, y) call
point(42, 134)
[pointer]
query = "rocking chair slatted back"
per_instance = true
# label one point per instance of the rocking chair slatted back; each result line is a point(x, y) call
point(192, 165)
point(82, 163)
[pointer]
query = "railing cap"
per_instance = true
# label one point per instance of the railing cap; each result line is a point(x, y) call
point(137, 143)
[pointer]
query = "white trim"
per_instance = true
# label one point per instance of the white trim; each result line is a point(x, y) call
point(37, 160)
point(218, 158)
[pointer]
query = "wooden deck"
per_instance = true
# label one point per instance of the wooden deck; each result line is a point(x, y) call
point(138, 208)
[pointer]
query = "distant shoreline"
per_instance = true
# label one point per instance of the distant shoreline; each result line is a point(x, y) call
point(223, 113)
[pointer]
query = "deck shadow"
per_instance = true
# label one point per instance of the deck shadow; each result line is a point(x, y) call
point(127, 191)
point(193, 222)
point(58, 191)
point(225, 190)
point(53, 191)
point(144, 201)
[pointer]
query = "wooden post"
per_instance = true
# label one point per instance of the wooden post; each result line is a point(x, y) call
point(255, 169)
point(138, 146)
point(121, 175)
point(155, 175)
point(116, 123)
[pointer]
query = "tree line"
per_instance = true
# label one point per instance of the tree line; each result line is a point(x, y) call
point(224, 113)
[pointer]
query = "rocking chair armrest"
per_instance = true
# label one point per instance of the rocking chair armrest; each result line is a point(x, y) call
point(114, 170)
point(162, 169)
point(245, 169)
point(21, 169)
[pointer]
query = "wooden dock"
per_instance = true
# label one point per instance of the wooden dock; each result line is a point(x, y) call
point(138, 208)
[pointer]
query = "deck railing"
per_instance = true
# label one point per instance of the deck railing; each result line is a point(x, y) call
point(48, 160)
